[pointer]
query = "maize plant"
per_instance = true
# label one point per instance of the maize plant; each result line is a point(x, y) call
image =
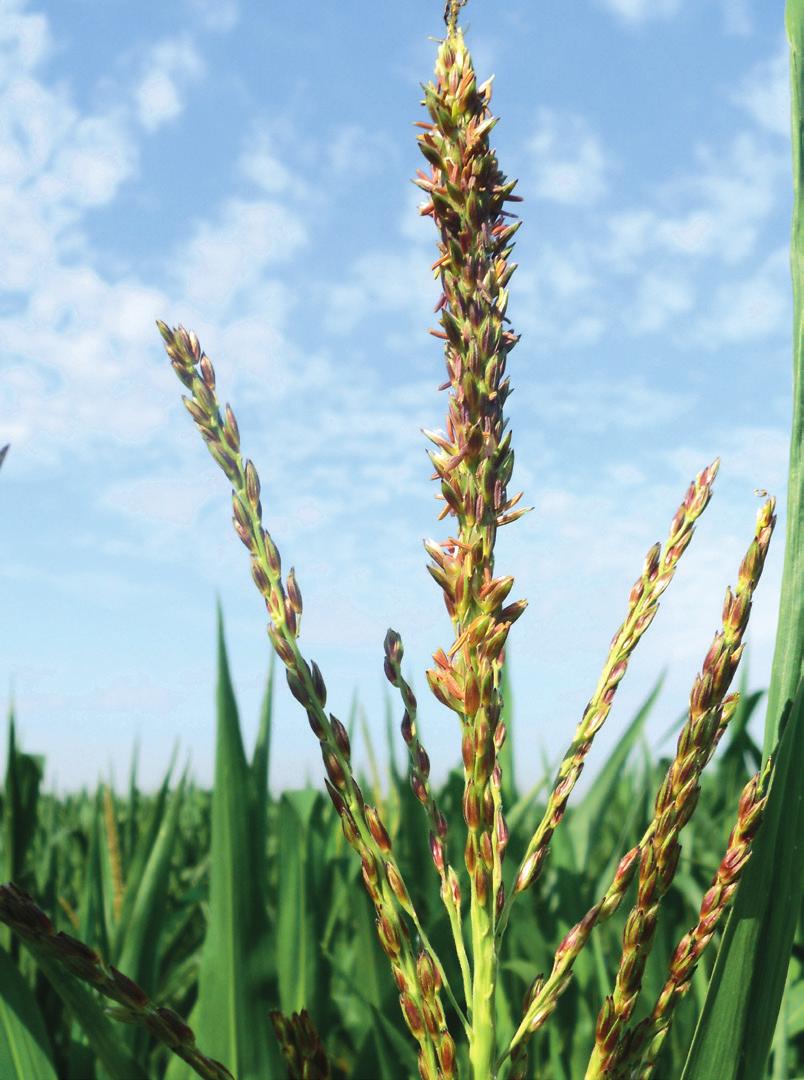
point(490, 863)
point(468, 198)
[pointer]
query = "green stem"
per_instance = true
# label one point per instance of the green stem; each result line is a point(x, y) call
point(463, 959)
point(482, 1040)
point(788, 656)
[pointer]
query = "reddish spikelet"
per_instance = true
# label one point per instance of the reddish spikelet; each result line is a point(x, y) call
point(473, 461)
point(709, 711)
point(132, 1004)
point(657, 572)
point(301, 1046)
point(645, 1041)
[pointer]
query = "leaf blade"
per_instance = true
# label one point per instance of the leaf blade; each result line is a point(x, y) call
point(24, 1046)
point(735, 1029)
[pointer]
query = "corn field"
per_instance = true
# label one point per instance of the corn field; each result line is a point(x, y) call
point(382, 925)
point(178, 890)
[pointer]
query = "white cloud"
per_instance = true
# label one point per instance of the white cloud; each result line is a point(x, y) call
point(557, 301)
point(626, 474)
point(660, 298)
point(715, 211)
point(354, 151)
point(226, 259)
point(599, 405)
point(74, 338)
point(57, 161)
point(380, 280)
point(754, 454)
point(157, 99)
point(348, 154)
point(568, 163)
point(566, 271)
point(24, 38)
point(261, 164)
point(765, 93)
point(60, 159)
point(736, 17)
point(737, 190)
point(628, 235)
point(217, 15)
point(88, 168)
point(748, 308)
point(73, 376)
point(171, 64)
point(638, 11)
point(169, 500)
point(645, 268)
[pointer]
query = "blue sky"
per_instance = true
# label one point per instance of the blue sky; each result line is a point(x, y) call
point(244, 168)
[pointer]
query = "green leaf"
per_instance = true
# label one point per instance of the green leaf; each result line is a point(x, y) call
point(141, 933)
point(296, 942)
point(142, 852)
point(383, 1040)
point(129, 835)
point(788, 657)
point(735, 1030)
point(24, 1046)
point(260, 765)
point(103, 1035)
point(91, 912)
point(233, 1003)
point(795, 1009)
point(23, 777)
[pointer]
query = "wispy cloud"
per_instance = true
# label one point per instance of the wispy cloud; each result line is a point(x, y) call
point(170, 65)
point(217, 15)
point(25, 36)
point(639, 11)
point(228, 256)
point(754, 454)
point(167, 500)
point(74, 335)
point(644, 268)
point(748, 308)
point(383, 280)
point(661, 297)
point(765, 93)
point(261, 164)
point(355, 152)
point(56, 161)
point(737, 17)
point(736, 14)
point(603, 405)
point(567, 162)
point(714, 209)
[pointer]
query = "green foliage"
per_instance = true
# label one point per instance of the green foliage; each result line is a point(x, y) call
point(235, 963)
point(24, 1046)
point(317, 946)
point(737, 1024)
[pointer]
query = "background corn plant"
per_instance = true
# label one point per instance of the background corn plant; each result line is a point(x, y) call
point(117, 868)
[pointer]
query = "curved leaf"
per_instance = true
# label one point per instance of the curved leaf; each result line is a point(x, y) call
point(24, 1047)
point(735, 1030)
